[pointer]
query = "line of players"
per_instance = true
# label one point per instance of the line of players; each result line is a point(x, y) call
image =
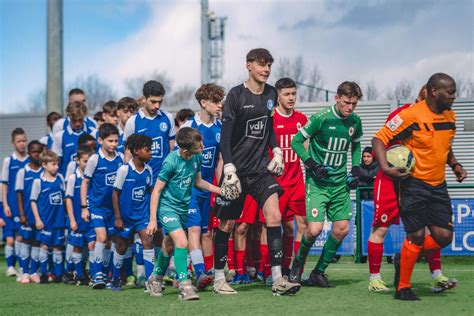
point(108, 201)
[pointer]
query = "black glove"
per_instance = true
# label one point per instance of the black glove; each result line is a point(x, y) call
point(317, 170)
point(353, 177)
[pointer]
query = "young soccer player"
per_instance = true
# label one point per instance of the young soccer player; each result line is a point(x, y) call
point(97, 187)
point(51, 119)
point(99, 118)
point(77, 97)
point(47, 194)
point(65, 141)
point(427, 128)
point(84, 139)
point(28, 231)
point(80, 232)
point(329, 132)
point(11, 164)
point(210, 98)
point(171, 195)
point(126, 107)
point(110, 115)
point(131, 201)
point(247, 134)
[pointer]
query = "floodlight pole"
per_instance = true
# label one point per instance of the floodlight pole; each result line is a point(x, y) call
point(205, 44)
point(54, 93)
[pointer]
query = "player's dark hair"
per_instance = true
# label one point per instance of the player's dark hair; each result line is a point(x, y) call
point(187, 137)
point(84, 138)
point(110, 107)
point(435, 80)
point(17, 131)
point(260, 55)
point(76, 91)
point(349, 89)
point(137, 142)
point(184, 114)
point(285, 83)
point(84, 150)
point(98, 116)
point(51, 114)
point(35, 143)
point(153, 88)
point(76, 110)
point(107, 129)
point(127, 103)
point(210, 92)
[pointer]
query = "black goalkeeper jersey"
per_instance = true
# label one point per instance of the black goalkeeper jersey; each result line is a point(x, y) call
point(247, 129)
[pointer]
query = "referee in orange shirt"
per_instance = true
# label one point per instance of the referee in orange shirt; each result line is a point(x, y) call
point(427, 128)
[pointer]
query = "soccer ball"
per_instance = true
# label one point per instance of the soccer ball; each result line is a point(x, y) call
point(401, 157)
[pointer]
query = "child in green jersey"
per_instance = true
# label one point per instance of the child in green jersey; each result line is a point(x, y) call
point(329, 132)
point(170, 199)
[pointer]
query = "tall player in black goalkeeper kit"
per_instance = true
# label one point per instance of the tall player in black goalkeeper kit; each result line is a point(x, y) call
point(247, 135)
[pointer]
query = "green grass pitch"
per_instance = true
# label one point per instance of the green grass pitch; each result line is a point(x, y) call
point(350, 297)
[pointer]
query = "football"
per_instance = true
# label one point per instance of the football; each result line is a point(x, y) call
point(400, 156)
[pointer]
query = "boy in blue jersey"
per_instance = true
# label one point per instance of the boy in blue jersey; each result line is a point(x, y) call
point(11, 165)
point(65, 141)
point(28, 232)
point(97, 185)
point(80, 232)
point(47, 193)
point(170, 201)
point(51, 119)
point(210, 98)
point(110, 115)
point(84, 139)
point(131, 200)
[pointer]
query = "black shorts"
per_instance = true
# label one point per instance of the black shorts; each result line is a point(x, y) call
point(260, 187)
point(424, 205)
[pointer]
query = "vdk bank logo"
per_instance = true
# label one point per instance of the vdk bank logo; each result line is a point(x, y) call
point(110, 178)
point(208, 155)
point(138, 194)
point(56, 198)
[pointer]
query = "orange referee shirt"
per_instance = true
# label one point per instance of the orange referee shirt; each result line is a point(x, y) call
point(428, 135)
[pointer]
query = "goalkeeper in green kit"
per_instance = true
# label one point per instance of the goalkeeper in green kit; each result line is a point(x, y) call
point(329, 133)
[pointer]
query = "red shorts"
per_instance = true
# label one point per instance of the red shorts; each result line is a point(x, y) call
point(292, 203)
point(385, 202)
point(250, 211)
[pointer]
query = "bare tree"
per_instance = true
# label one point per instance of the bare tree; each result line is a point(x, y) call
point(36, 103)
point(183, 97)
point(464, 87)
point(298, 70)
point(134, 85)
point(97, 91)
point(371, 91)
point(404, 90)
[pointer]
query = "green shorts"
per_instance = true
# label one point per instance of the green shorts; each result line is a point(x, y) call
point(172, 220)
point(333, 201)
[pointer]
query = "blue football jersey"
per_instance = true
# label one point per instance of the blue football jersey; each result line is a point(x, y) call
point(102, 172)
point(134, 189)
point(73, 192)
point(89, 124)
point(160, 128)
point(121, 143)
point(24, 182)
point(49, 196)
point(11, 165)
point(47, 141)
point(65, 146)
point(211, 137)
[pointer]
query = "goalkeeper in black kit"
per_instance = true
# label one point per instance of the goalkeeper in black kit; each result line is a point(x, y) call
point(247, 136)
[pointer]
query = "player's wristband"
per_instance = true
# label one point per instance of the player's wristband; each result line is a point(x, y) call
point(455, 165)
point(83, 206)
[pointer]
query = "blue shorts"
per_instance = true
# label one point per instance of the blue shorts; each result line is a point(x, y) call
point(130, 228)
point(29, 233)
point(81, 238)
point(198, 213)
point(103, 218)
point(12, 225)
point(52, 237)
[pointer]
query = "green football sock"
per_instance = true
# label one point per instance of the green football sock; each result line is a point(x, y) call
point(305, 246)
point(161, 264)
point(181, 263)
point(329, 250)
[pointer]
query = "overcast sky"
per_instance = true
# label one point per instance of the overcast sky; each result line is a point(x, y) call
point(380, 40)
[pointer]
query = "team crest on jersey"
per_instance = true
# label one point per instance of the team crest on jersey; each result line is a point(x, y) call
point(163, 126)
point(256, 127)
point(56, 198)
point(218, 137)
point(351, 131)
point(314, 212)
point(394, 123)
point(110, 178)
point(147, 181)
point(138, 194)
point(298, 126)
point(384, 218)
point(270, 105)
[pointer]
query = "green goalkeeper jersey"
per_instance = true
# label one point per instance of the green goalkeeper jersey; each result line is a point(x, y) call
point(330, 135)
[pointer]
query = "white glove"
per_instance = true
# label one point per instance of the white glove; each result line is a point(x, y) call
point(277, 164)
point(230, 188)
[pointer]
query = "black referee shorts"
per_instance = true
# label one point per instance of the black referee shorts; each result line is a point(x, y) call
point(259, 186)
point(424, 205)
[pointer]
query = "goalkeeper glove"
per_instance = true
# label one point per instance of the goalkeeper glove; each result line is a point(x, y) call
point(317, 170)
point(230, 188)
point(277, 164)
point(353, 177)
